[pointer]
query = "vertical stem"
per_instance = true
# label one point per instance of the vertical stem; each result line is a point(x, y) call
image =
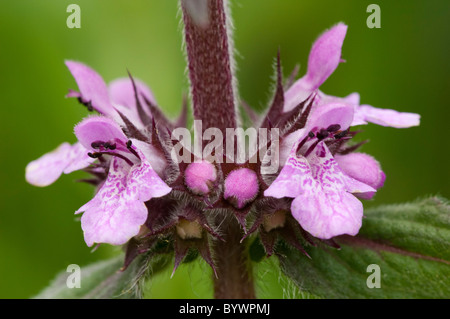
point(212, 90)
point(234, 274)
point(209, 63)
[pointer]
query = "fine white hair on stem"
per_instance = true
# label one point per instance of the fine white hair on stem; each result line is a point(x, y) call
point(232, 51)
point(195, 10)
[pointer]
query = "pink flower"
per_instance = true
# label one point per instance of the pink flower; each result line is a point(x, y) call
point(145, 195)
point(324, 204)
point(320, 173)
point(117, 211)
point(324, 58)
point(120, 163)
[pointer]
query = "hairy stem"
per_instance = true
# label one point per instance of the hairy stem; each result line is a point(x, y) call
point(234, 273)
point(209, 62)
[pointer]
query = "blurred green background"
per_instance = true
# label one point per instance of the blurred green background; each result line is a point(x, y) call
point(404, 66)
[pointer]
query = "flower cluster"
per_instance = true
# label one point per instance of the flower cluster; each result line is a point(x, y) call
point(143, 194)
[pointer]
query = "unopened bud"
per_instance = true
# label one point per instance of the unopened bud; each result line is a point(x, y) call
point(241, 187)
point(200, 176)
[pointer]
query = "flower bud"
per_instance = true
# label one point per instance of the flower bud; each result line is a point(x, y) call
point(200, 176)
point(241, 187)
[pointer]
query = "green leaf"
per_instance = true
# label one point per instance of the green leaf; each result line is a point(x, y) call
point(105, 280)
point(409, 242)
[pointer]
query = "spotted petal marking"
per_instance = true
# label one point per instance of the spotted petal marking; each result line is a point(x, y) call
point(117, 211)
point(293, 179)
point(328, 209)
point(143, 183)
point(110, 217)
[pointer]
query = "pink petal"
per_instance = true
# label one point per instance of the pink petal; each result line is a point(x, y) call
point(122, 96)
point(121, 92)
point(92, 88)
point(112, 188)
point(153, 155)
point(363, 168)
point(330, 114)
point(386, 117)
point(321, 117)
point(98, 128)
point(357, 188)
point(49, 167)
point(113, 223)
point(288, 142)
point(325, 55)
point(330, 175)
point(324, 58)
point(297, 93)
point(117, 211)
point(352, 99)
point(110, 217)
point(293, 179)
point(359, 118)
point(327, 209)
point(130, 114)
point(326, 215)
point(80, 158)
point(143, 183)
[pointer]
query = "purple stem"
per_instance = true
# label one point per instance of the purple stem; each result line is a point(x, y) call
point(209, 62)
point(212, 90)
